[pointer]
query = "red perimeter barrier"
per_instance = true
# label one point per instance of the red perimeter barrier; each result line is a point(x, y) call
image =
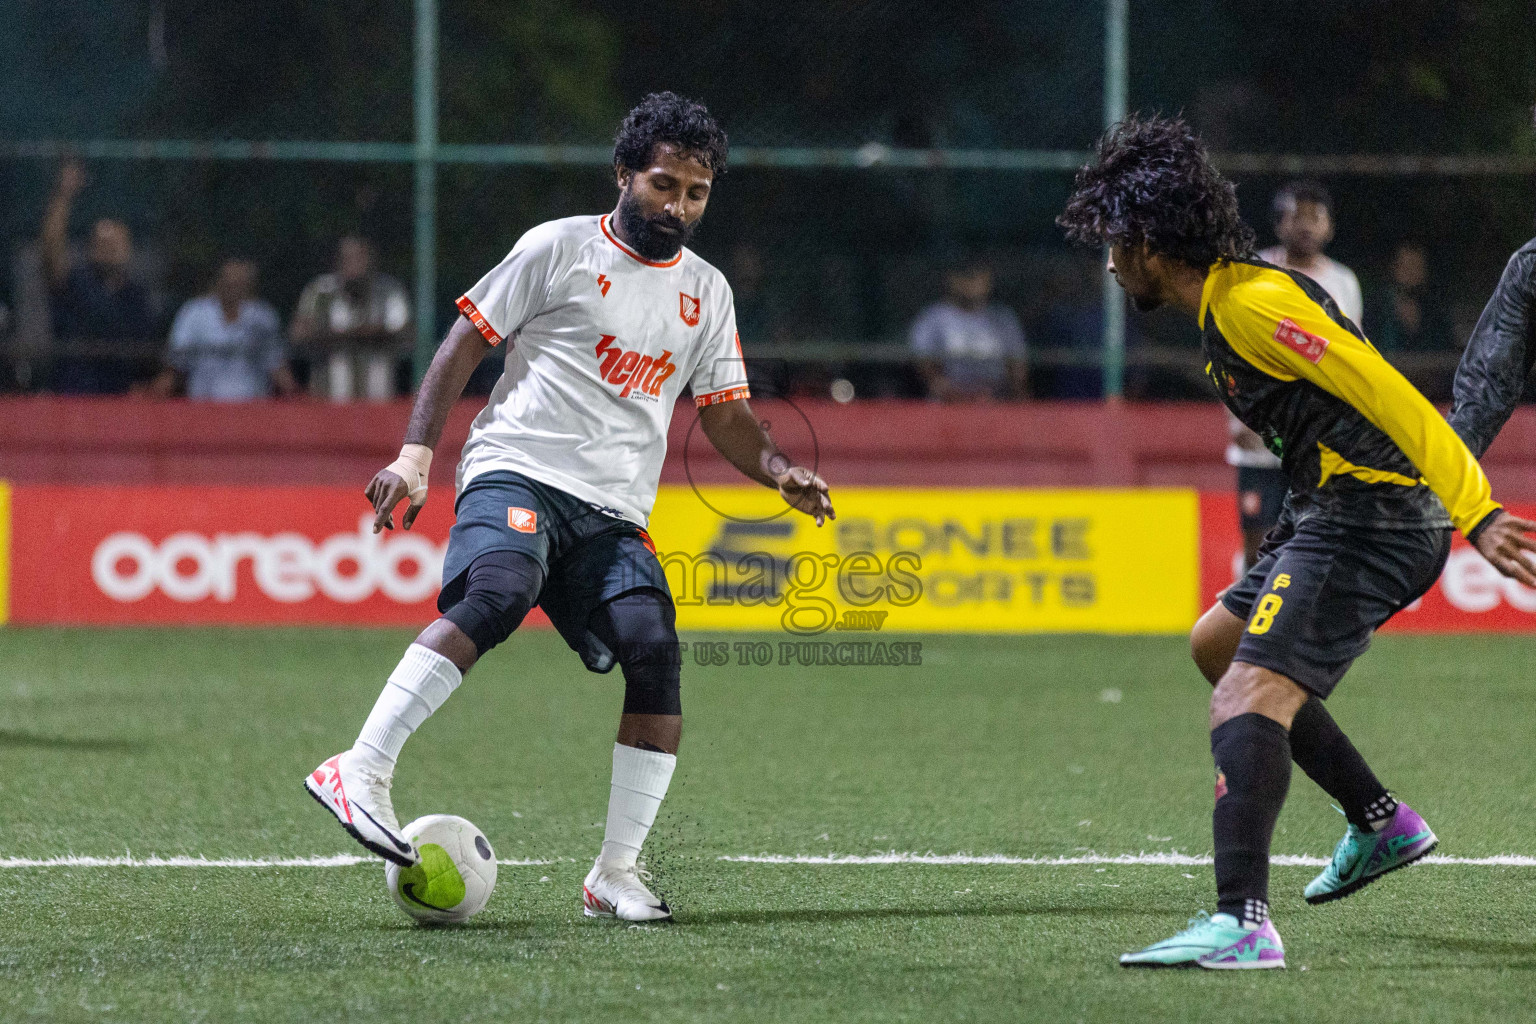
point(182, 554)
point(129, 441)
point(262, 507)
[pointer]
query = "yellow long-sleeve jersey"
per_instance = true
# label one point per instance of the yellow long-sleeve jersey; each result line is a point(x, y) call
point(1359, 443)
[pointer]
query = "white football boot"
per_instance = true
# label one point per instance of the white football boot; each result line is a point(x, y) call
point(359, 798)
point(612, 891)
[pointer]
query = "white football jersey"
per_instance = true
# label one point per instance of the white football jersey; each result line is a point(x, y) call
point(601, 343)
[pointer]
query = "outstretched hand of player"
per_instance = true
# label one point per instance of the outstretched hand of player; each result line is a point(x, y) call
point(807, 492)
point(1507, 543)
point(385, 491)
point(404, 478)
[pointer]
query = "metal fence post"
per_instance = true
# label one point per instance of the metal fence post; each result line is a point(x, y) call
point(1116, 15)
point(425, 191)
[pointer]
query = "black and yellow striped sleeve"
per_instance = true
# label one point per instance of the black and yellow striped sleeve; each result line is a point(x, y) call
point(1272, 324)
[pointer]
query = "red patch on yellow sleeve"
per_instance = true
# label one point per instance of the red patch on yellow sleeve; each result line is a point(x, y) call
point(1309, 346)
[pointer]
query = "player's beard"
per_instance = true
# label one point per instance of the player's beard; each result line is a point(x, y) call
point(656, 245)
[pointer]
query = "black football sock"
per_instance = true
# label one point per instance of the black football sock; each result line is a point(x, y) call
point(1253, 772)
point(1320, 748)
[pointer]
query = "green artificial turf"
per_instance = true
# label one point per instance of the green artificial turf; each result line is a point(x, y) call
point(195, 742)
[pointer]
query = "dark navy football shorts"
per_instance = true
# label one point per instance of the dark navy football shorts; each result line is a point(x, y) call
point(589, 557)
point(1320, 590)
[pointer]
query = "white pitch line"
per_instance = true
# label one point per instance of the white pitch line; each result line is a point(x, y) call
point(339, 860)
point(1181, 860)
point(342, 860)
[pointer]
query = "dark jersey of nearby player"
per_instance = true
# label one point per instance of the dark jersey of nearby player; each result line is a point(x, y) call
point(1359, 443)
point(1498, 359)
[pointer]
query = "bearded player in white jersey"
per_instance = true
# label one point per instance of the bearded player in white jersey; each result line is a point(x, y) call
point(606, 321)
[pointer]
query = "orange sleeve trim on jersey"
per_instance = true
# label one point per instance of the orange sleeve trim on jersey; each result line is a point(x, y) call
point(716, 397)
point(474, 316)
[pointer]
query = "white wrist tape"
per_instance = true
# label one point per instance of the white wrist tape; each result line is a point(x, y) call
point(412, 466)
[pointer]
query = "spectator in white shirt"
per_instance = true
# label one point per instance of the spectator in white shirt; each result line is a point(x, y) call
point(227, 346)
point(1303, 212)
point(970, 347)
point(355, 321)
point(1303, 219)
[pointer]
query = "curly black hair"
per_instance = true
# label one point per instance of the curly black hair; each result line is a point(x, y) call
point(668, 117)
point(1153, 182)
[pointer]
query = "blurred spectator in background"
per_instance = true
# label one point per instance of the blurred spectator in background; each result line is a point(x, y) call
point(1406, 317)
point(970, 347)
point(1303, 222)
point(227, 346)
point(103, 321)
point(353, 322)
point(1073, 326)
point(761, 316)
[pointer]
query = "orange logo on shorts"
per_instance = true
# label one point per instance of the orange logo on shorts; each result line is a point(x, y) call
point(523, 520)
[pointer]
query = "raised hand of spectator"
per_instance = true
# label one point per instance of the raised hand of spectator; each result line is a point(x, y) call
point(71, 178)
point(55, 233)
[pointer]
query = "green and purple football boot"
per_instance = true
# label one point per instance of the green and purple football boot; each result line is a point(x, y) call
point(1216, 942)
point(1363, 856)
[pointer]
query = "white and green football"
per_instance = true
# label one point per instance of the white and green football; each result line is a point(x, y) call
point(456, 874)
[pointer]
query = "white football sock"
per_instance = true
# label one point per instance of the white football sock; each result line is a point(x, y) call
point(640, 779)
point(416, 688)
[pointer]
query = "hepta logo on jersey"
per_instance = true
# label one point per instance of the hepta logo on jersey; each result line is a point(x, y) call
point(523, 520)
point(688, 309)
point(637, 375)
point(1309, 346)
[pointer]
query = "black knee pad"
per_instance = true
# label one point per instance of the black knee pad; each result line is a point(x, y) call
point(640, 628)
point(499, 588)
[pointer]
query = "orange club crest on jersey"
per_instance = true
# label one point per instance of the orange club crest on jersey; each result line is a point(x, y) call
point(688, 309)
point(603, 284)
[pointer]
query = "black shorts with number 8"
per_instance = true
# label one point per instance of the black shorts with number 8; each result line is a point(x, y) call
point(1320, 590)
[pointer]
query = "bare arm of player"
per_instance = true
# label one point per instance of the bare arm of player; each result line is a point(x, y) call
point(736, 434)
point(456, 359)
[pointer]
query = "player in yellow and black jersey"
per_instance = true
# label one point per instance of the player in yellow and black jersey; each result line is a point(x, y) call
point(1378, 479)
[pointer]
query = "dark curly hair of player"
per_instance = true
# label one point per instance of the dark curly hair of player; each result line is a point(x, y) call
point(668, 117)
point(1152, 181)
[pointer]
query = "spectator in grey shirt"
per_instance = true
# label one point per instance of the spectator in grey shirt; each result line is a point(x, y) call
point(227, 346)
point(971, 347)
